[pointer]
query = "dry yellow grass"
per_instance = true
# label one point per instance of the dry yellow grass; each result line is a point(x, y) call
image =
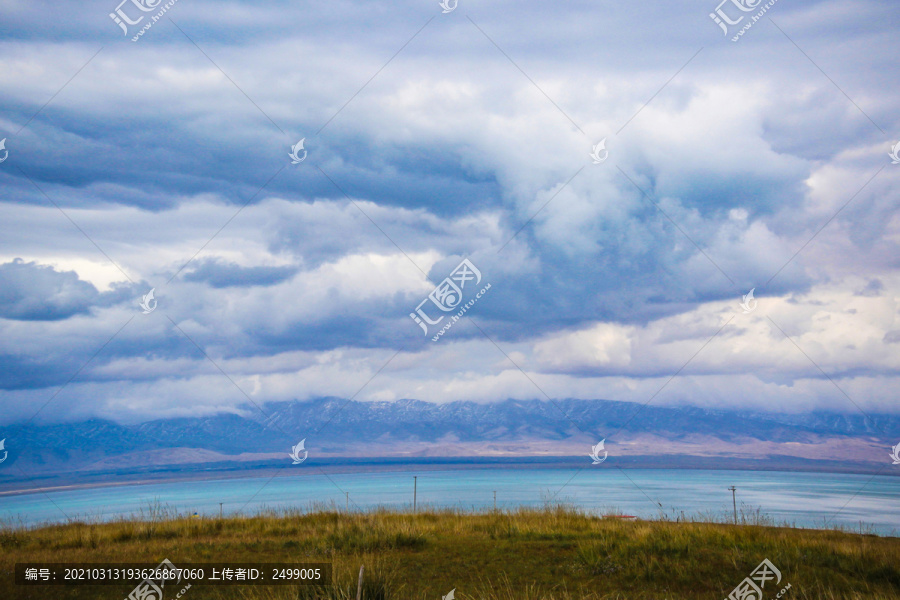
point(552, 554)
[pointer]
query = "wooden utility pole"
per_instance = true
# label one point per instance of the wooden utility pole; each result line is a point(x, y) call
point(415, 489)
point(495, 500)
point(220, 510)
point(734, 503)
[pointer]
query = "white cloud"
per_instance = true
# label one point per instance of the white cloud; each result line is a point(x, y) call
point(450, 150)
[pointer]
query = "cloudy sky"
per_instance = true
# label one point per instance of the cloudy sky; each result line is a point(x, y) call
point(429, 138)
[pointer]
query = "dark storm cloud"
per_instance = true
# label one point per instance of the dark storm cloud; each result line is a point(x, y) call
point(33, 292)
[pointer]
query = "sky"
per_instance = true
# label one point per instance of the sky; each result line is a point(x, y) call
point(619, 176)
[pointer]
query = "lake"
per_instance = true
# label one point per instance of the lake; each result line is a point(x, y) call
point(802, 499)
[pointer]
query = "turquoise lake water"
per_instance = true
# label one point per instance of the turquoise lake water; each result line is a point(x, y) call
point(802, 499)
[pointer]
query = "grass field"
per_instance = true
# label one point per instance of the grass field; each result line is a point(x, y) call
point(556, 553)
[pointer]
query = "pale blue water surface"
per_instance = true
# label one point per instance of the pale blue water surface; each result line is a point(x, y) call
point(802, 499)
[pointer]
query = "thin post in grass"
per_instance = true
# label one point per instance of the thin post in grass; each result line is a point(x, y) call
point(495, 500)
point(734, 503)
point(220, 510)
point(359, 583)
point(348, 500)
point(415, 489)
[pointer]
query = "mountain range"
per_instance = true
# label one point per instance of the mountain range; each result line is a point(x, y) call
point(339, 431)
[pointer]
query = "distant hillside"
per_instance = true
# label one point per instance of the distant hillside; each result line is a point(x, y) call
point(409, 428)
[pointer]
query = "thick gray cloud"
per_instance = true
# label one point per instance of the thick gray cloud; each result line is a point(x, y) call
point(33, 292)
point(747, 169)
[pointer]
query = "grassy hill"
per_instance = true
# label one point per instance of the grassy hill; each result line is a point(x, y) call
point(557, 553)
